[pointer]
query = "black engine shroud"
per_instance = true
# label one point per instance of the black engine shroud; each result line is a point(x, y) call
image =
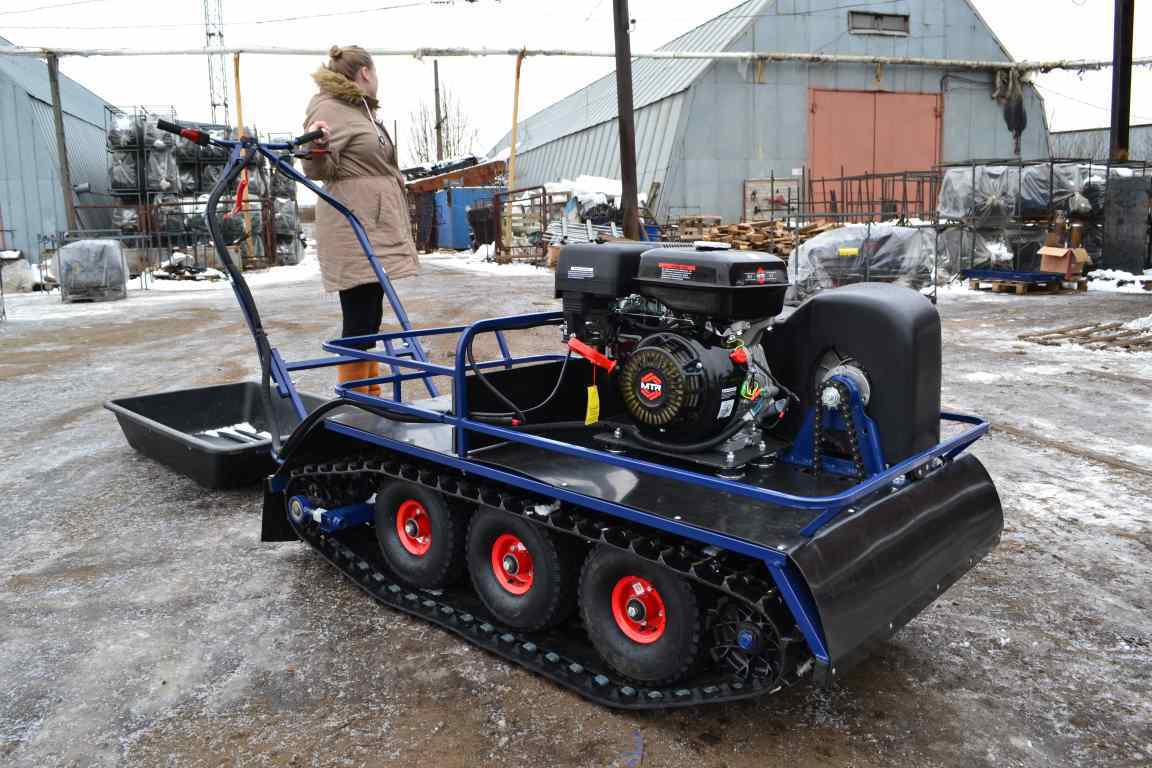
point(678, 385)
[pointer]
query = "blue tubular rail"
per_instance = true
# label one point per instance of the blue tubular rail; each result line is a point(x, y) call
point(831, 505)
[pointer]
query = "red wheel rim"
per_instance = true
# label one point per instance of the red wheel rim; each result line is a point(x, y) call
point(413, 528)
point(512, 564)
point(638, 609)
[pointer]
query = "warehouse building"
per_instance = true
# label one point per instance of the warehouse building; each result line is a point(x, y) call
point(703, 127)
point(31, 203)
point(1094, 143)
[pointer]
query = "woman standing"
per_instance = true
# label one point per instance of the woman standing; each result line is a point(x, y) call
point(359, 169)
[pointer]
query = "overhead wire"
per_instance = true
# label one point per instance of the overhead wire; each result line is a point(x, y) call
point(249, 22)
point(1101, 107)
point(50, 7)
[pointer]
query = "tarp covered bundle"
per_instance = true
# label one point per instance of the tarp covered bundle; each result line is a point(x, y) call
point(858, 253)
point(92, 270)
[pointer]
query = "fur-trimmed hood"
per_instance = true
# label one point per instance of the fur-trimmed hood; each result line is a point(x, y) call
point(341, 88)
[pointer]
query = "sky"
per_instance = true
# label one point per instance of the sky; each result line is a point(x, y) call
point(275, 89)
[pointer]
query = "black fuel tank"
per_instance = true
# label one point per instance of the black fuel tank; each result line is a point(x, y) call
point(735, 285)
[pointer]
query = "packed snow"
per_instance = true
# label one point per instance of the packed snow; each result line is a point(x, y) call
point(1118, 281)
point(1139, 324)
point(481, 260)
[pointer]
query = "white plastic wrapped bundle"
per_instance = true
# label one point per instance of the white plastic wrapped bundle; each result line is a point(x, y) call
point(92, 270)
point(122, 132)
point(284, 218)
point(153, 137)
point(127, 220)
point(122, 172)
point(1048, 186)
point(962, 248)
point(994, 199)
point(859, 253)
point(169, 217)
point(163, 175)
point(955, 200)
point(209, 175)
point(289, 250)
point(188, 183)
point(282, 186)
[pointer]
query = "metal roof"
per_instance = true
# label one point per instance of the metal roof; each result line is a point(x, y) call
point(652, 80)
point(31, 74)
point(596, 150)
point(1096, 143)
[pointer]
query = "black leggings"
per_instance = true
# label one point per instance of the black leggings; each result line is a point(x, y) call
point(363, 310)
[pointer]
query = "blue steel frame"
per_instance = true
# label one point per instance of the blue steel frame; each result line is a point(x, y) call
point(403, 351)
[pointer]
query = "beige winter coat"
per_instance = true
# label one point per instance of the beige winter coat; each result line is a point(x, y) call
point(362, 173)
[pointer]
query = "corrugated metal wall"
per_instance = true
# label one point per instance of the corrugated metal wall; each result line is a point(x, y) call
point(1095, 143)
point(738, 121)
point(596, 151)
point(31, 203)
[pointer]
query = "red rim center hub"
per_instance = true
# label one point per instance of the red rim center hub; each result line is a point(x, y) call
point(413, 528)
point(638, 609)
point(512, 564)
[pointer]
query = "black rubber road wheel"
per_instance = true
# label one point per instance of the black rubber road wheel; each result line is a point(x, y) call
point(421, 538)
point(519, 572)
point(643, 619)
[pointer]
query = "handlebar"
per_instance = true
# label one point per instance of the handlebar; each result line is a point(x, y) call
point(197, 136)
point(307, 137)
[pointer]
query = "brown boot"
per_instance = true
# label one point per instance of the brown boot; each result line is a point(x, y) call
point(371, 371)
point(361, 369)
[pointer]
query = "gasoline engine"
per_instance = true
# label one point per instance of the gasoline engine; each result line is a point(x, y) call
point(681, 329)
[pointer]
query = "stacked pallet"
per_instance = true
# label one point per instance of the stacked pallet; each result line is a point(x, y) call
point(695, 227)
point(770, 236)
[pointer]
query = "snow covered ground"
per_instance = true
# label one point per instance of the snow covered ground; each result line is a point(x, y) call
point(481, 261)
point(1118, 281)
point(143, 623)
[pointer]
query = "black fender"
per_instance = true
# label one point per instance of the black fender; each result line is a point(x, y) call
point(874, 568)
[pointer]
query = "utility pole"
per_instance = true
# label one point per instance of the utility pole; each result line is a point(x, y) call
point(439, 121)
point(61, 143)
point(1122, 77)
point(217, 77)
point(628, 204)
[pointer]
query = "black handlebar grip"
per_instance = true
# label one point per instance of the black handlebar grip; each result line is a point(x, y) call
point(310, 136)
point(164, 125)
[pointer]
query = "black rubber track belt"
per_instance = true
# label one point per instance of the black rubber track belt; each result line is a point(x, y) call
point(579, 671)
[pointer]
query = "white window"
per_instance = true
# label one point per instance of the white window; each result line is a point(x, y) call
point(864, 23)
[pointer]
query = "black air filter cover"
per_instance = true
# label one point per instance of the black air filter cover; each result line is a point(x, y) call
point(736, 285)
point(599, 269)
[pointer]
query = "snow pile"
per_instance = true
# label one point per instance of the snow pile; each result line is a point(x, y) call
point(1139, 324)
point(1118, 281)
point(16, 272)
point(999, 251)
point(481, 260)
point(591, 190)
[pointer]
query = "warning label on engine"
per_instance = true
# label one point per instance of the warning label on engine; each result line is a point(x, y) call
point(581, 273)
point(725, 409)
point(672, 271)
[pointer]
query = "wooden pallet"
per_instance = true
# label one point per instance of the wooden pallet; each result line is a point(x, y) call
point(1094, 336)
point(1021, 287)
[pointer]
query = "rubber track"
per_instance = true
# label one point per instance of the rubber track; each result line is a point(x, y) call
point(686, 559)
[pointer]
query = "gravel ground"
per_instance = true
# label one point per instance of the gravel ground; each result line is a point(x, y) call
point(145, 624)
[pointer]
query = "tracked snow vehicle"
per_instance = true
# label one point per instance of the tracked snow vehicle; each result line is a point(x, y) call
point(700, 496)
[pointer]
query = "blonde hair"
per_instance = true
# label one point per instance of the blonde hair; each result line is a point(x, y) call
point(347, 60)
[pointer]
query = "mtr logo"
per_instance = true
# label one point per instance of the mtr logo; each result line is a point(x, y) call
point(651, 386)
